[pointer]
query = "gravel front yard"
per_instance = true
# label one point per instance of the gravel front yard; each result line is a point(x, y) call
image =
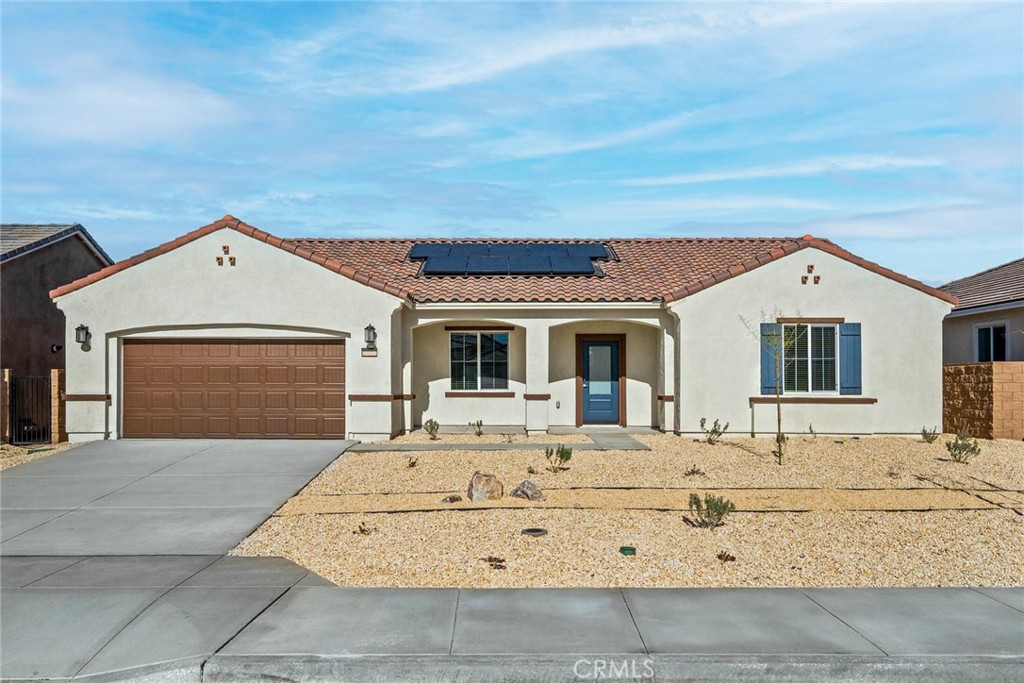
point(11, 455)
point(824, 547)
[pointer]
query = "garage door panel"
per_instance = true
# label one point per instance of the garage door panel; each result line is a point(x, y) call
point(306, 375)
point(239, 388)
point(249, 400)
point(162, 399)
point(218, 374)
point(161, 374)
point(334, 426)
point(216, 400)
point(248, 374)
point(277, 375)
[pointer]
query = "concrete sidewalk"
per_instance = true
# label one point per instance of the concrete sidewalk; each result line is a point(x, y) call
point(194, 618)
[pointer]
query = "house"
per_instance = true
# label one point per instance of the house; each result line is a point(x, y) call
point(33, 260)
point(229, 331)
point(988, 323)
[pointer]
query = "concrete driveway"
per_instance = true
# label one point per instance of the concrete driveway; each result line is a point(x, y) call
point(152, 497)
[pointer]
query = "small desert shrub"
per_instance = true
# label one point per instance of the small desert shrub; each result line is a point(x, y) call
point(557, 457)
point(531, 470)
point(711, 512)
point(929, 435)
point(478, 427)
point(431, 427)
point(412, 461)
point(715, 433)
point(810, 430)
point(693, 471)
point(963, 447)
point(725, 556)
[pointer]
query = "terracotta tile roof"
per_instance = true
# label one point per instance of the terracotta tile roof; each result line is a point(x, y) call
point(643, 269)
point(18, 239)
point(1002, 284)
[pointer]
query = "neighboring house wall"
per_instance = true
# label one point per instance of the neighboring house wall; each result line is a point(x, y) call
point(958, 331)
point(901, 348)
point(29, 320)
point(269, 294)
point(985, 399)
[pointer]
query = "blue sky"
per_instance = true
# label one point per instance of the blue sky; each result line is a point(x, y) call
point(893, 129)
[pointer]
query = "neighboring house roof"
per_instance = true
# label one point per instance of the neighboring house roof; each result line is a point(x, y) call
point(653, 270)
point(1000, 285)
point(17, 239)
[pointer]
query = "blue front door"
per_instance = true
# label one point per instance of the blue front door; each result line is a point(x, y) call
point(600, 382)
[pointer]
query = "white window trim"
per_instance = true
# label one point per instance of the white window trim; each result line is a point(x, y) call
point(990, 323)
point(810, 391)
point(479, 360)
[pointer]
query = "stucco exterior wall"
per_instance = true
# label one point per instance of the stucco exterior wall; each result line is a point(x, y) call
point(901, 348)
point(958, 334)
point(269, 293)
point(29, 320)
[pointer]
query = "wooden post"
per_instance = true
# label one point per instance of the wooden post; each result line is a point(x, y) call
point(5, 405)
point(58, 421)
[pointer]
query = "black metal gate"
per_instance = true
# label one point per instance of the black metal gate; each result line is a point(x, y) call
point(30, 410)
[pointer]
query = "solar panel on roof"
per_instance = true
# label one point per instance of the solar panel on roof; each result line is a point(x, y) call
point(529, 265)
point(515, 258)
point(508, 249)
point(445, 265)
point(470, 249)
point(572, 265)
point(487, 265)
point(427, 250)
point(550, 249)
point(587, 250)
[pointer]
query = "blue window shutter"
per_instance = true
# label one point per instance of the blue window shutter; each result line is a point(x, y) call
point(771, 337)
point(849, 359)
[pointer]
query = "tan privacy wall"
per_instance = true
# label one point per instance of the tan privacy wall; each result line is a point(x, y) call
point(986, 399)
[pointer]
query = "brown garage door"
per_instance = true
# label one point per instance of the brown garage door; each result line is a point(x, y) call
point(234, 389)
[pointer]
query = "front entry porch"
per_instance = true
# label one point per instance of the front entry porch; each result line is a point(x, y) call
point(540, 373)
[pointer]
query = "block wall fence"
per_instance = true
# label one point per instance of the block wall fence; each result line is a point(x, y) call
point(986, 399)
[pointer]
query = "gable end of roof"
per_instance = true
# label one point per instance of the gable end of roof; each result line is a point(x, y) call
point(232, 223)
point(807, 241)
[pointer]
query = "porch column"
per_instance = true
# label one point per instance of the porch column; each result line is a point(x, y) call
point(667, 379)
point(538, 394)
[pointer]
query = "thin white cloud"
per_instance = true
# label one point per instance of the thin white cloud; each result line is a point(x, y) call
point(84, 100)
point(475, 56)
point(871, 163)
point(928, 222)
point(531, 145)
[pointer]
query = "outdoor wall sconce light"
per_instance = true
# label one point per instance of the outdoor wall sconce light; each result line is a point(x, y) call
point(55, 348)
point(82, 335)
point(370, 337)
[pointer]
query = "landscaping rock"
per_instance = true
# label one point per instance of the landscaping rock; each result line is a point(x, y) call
point(451, 499)
point(528, 490)
point(484, 487)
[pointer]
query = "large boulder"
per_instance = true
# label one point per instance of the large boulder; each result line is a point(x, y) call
point(528, 490)
point(484, 487)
